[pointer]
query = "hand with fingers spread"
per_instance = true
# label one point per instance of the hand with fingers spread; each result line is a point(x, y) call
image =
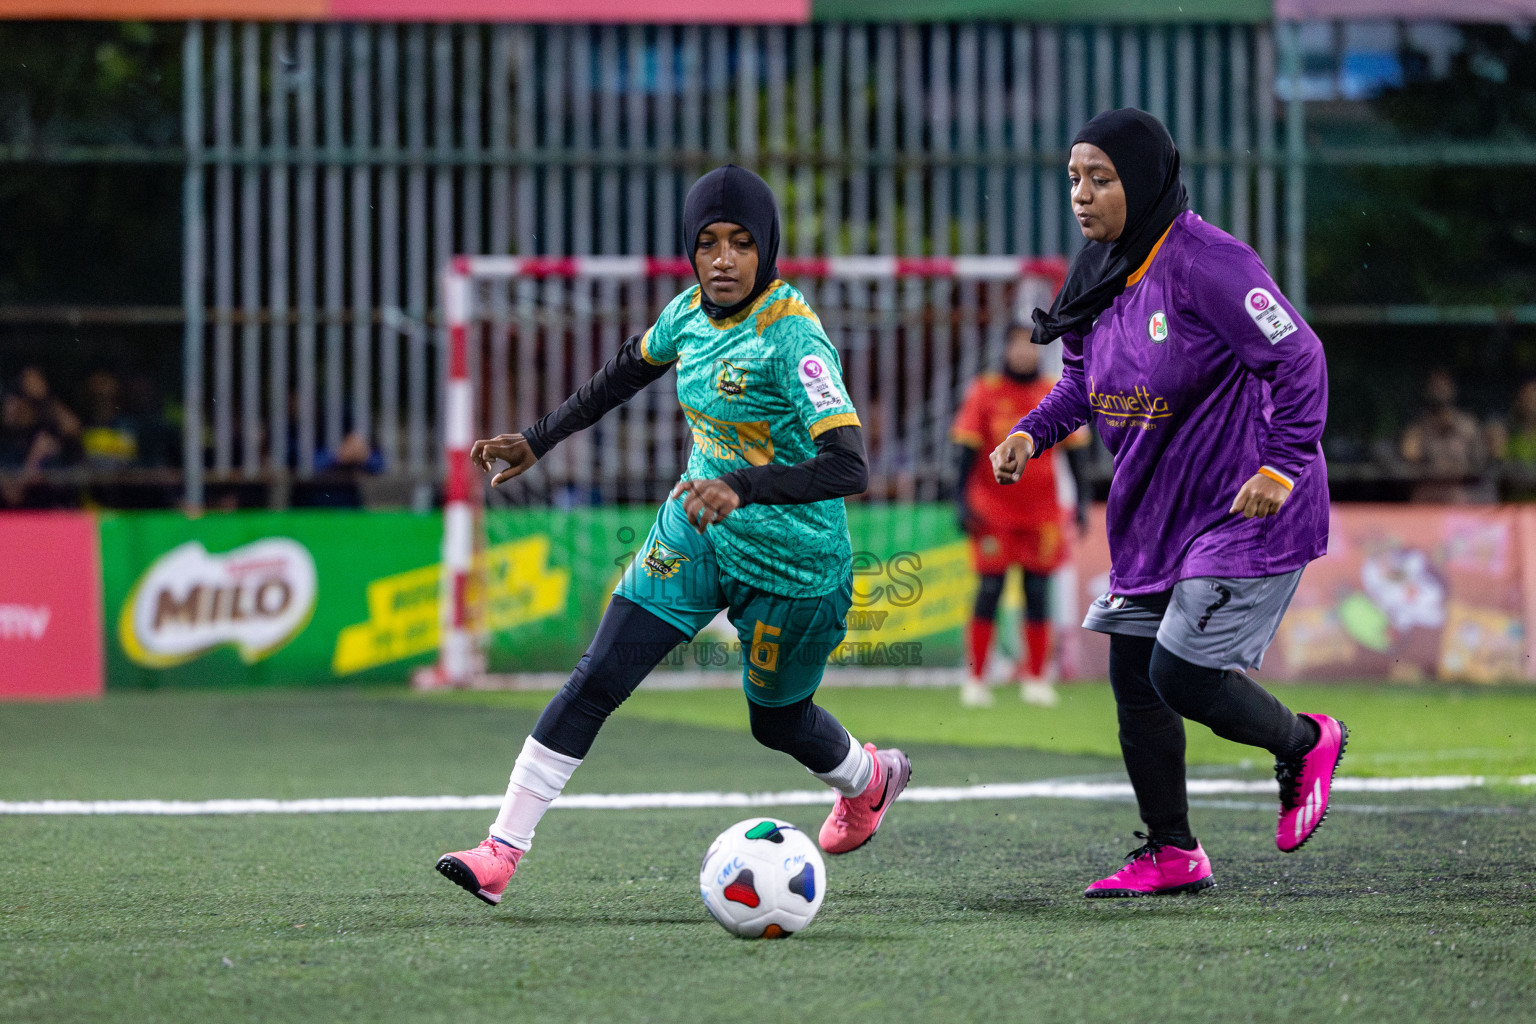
point(1261, 496)
point(708, 501)
point(513, 449)
point(1010, 457)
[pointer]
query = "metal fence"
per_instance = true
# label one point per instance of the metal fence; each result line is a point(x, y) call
point(331, 171)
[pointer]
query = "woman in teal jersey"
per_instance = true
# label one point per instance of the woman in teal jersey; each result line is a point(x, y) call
point(756, 527)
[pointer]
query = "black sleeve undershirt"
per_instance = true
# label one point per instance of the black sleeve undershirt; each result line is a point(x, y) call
point(1077, 462)
point(620, 379)
point(837, 470)
point(963, 464)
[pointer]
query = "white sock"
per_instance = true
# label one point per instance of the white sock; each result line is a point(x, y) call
point(852, 776)
point(537, 778)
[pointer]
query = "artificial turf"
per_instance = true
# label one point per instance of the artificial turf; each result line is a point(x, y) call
point(1414, 907)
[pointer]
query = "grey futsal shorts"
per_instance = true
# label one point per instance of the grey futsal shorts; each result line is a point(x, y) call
point(1212, 621)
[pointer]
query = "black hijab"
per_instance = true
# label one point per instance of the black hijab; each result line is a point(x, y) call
point(1148, 164)
point(736, 195)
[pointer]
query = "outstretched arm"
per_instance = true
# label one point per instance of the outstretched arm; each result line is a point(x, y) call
point(616, 383)
point(620, 379)
point(837, 470)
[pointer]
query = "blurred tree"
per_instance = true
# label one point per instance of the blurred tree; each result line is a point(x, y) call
point(107, 233)
point(1463, 234)
point(90, 82)
point(1441, 235)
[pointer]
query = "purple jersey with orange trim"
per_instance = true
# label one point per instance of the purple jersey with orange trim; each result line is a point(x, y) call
point(1197, 376)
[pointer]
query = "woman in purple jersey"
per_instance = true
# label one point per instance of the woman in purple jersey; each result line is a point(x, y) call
point(1211, 394)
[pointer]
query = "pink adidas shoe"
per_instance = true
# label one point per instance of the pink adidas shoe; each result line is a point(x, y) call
point(1305, 783)
point(484, 871)
point(853, 822)
point(1156, 869)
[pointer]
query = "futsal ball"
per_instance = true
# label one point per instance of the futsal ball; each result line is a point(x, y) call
point(763, 879)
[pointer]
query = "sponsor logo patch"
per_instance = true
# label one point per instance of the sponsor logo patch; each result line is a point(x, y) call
point(1269, 315)
point(1138, 408)
point(816, 378)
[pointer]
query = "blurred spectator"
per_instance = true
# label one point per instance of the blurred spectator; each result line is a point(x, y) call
point(109, 440)
point(1515, 441)
point(1446, 448)
point(338, 472)
point(37, 431)
point(354, 454)
point(154, 421)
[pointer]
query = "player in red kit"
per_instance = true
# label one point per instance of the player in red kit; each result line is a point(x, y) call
point(1025, 525)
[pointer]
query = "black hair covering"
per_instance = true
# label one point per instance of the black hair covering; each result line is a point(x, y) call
point(1147, 162)
point(734, 194)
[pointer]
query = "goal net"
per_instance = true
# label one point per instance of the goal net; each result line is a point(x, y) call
point(528, 567)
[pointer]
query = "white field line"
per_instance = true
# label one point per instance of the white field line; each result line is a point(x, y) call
point(1047, 789)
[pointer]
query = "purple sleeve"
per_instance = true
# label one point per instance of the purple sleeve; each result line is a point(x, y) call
point(1232, 294)
point(1065, 408)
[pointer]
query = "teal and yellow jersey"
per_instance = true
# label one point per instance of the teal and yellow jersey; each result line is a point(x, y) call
point(756, 389)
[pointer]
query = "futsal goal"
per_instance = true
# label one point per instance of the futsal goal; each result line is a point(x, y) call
point(528, 567)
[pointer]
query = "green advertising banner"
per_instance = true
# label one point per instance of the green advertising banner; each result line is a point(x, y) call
point(250, 598)
point(913, 585)
point(314, 598)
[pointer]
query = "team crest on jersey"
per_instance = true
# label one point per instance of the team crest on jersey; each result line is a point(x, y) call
point(732, 382)
point(1157, 327)
point(661, 562)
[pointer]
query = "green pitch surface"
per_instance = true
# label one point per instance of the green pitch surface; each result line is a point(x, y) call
point(1413, 907)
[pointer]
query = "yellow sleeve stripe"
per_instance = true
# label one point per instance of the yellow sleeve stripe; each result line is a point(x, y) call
point(1278, 477)
point(646, 355)
point(837, 419)
point(969, 438)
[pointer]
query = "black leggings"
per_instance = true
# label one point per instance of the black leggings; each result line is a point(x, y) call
point(1155, 690)
point(630, 642)
point(1037, 597)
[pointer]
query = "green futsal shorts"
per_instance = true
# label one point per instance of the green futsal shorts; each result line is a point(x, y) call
point(785, 641)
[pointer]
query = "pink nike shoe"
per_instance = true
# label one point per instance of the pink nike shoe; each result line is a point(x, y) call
point(1305, 783)
point(1156, 869)
point(484, 871)
point(854, 821)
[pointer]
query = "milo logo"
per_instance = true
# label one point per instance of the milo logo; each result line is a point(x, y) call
point(255, 598)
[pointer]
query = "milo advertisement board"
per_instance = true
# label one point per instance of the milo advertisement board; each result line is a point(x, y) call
point(310, 598)
point(247, 598)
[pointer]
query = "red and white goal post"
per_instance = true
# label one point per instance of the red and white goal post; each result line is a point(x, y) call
point(524, 332)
